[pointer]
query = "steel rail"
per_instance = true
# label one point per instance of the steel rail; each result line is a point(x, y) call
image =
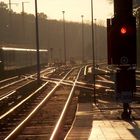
point(13, 83)
point(14, 133)
point(2, 97)
point(54, 135)
point(7, 95)
point(18, 128)
point(19, 104)
point(8, 79)
point(82, 84)
point(18, 81)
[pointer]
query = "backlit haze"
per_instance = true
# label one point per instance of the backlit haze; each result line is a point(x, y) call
point(73, 8)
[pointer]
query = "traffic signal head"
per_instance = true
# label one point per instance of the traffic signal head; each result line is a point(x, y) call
point(123, 30)
point(122, 41)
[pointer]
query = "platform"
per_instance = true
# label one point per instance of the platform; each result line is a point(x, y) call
point(93, 123)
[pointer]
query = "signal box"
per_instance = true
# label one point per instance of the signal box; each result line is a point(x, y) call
point(126, 80)
point(125, 85)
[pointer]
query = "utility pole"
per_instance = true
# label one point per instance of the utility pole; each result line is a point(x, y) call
point(64, 36)
point(93, 51)
point(23, 6)
point(95, 41)
point(37, 43)
point(10, 5)
point(10, 20)
point(23, 20)
point(51, 53)
point(83, 59)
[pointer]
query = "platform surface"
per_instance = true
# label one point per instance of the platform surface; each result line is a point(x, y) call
point(93, 123)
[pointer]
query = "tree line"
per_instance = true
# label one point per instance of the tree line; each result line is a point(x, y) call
point(18, 30)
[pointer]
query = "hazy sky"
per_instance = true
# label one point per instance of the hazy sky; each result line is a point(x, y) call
point(73, 8)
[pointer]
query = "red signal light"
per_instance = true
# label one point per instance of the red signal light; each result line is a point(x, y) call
point(123, 30)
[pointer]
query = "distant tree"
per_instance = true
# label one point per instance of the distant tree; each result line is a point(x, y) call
point(137, 14)
point(3, 6)
point(136, 3)
point(4, 21)
point(42, 15)
point(18, 30)
point(110, 1)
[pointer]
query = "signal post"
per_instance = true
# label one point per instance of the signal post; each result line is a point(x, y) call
point(121, 37)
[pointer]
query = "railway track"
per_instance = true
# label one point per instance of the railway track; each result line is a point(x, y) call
point(10, 85)
point(41, 113)
point(54, 94)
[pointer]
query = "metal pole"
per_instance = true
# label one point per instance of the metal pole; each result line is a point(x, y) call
point(82, 39)
point(95, 43)
point(37, 44)
point(60, 55)
point(48, 38)
point(92, 39)
point(22, 7)
point(23, 20)
point(10, 20)
point(51, 51)
point(64, 37)
point(10, 5)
